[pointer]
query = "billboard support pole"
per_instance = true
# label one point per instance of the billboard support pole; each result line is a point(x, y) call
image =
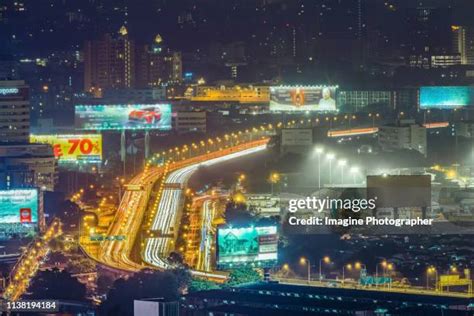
point(123, 153)
point(147, 144)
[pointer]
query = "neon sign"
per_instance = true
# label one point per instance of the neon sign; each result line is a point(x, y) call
point(7, 91)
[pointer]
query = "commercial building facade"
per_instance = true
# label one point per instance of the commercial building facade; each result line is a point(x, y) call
point(14, 112)
point(360, 100)
point(406, 134)
point(237, 93)
point(463, 43)
point(296, 140)
point(190, 122)
point(27, 166)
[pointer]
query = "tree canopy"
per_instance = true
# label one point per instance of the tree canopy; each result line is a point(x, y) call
point(243, 275)
point(142, 285)
point(58, 285)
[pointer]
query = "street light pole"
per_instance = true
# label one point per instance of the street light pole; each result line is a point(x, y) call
point(354, 170)
point(342, 164)
point(349, 267)
point(319, 151)
point(330, 157)
point(309, 271)
point(326, 260)
point(303, 260)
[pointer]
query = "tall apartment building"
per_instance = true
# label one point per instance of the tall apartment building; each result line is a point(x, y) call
point(118, 62)
point(109, 62)
point(14, 112)
point(463, 43)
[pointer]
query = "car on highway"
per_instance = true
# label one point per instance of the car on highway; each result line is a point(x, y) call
point(147, 116)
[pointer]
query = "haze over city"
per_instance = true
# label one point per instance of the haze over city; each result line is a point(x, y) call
point(238, 157)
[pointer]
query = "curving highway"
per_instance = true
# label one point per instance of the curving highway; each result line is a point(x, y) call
point(205, 247)
point(127, 222)
point(157, 248)
point(134, 204)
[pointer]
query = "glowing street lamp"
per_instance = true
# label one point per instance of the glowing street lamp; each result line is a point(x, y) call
point(348, 267)
point(274, 178)
point(326, 260)
point(359, 265)
point(304, 261)
point(454, 269)
point(430, 270)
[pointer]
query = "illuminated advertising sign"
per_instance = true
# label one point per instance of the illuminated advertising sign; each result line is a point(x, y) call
point(9, 91)
point(73, 148)
point(123, 117)
point(446, 97)
point(18, 213)
point(303, 98)
point(256, 246)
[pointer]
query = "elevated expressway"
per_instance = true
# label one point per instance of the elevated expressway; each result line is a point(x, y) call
point(157, 248)
point(134, 207)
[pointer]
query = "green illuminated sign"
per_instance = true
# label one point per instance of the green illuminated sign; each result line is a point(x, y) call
point(250, 245)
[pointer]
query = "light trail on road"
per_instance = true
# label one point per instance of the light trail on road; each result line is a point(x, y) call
point(208, 213)
point(127, 222)
point(157, 248)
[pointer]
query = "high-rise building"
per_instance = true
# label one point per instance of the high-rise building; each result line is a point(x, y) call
point(463, 43)
point(155, 68)
point(343, 19)
point(109, 62)
point(428, 26)
point(117, 62)
point(14, 112)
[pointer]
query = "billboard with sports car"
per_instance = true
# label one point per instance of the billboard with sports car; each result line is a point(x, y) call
point(303, 98)
point(123, 117)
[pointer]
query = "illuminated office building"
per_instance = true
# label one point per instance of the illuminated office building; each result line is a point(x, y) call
point(239, 94)
point(14, 112)
point(157, 65)
point(463, 43)
point(118, 62)
point(109, 62)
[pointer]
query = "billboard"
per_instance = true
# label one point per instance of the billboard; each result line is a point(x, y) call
point(446, 97)
point(73, 148)
point(400, 191)
point(18, 213)
point(123, 117)
point(257, 246)
point(303, 98)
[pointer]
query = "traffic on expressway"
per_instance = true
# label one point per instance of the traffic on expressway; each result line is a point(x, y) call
point(130, 215)
point(157, 248)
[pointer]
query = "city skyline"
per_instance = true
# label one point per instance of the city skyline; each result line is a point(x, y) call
point(244, 157)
